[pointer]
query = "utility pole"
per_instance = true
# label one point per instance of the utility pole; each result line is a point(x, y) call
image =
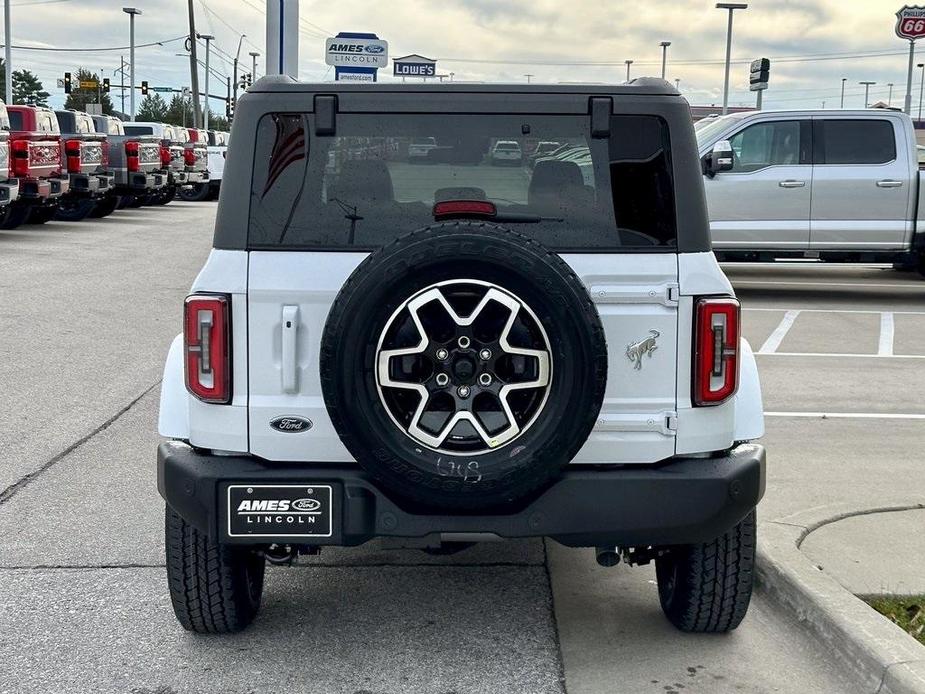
point(205, 111)
point(628, 63)
point(193, 64)
point(664, 45)
point(843, 80)
point(8, 33)
point(228, 99)
point(731, 7)
point(131, 12)
point(866, 91)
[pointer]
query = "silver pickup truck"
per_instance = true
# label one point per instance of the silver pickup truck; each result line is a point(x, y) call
point(831, 184)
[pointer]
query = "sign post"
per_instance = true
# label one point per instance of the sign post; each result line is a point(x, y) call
point(758, 78)
point(283, 37)
point(910, 25)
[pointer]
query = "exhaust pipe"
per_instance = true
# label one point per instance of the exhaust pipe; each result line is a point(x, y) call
point(281, 554)
point(607, 556)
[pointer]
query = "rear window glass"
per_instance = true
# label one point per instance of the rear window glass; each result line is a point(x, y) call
point(84, 124)
point(15, 120)
point(46, 122)
point(367, 185)
point(138, 130)
point(857, 142)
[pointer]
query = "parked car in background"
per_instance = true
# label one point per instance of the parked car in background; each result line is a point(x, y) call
point(218, 148)
point(420, 147)
point(85, 158)
point(837, 185)
point(35, 161)
point(173, 142)
point(135, 161)
point(506, 152)
point(9, 186)
point(543, 149)
point(196, 157)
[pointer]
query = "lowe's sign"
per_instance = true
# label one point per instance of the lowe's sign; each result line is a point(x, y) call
point(352, 51)
point(414, 66)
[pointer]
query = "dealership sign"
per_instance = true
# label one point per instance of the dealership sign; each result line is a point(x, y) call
point(910, 22)
point(349, 51)
point(414, 66)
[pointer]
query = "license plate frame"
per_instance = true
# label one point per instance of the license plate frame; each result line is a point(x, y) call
point(308, 512)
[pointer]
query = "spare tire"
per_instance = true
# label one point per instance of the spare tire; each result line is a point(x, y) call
point(463, 366)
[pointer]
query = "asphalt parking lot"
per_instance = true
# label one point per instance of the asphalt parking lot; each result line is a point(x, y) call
point(88, 311)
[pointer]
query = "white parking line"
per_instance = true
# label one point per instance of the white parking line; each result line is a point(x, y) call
point(885, 346)
point(919, 286)
point(845, 415)
point(840, 354)
point(833, 310)
point(780, 332)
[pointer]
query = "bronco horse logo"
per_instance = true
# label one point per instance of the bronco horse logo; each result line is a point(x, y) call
point(635, 351)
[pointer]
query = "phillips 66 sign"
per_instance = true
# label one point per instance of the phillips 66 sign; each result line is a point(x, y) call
point(910, 22)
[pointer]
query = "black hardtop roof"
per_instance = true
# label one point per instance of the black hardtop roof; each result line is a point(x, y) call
point(636, 87)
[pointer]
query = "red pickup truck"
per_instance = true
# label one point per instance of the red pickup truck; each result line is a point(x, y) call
point(35, 161)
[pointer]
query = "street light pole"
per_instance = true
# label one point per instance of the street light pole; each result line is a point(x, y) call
point(235, 76)
point(528, 76)
point(254, 55)
point(628, 63)
point(908, 100)
point(843, 80)
point(8, 32)
point(731, 7)
point(131, 12)
point(677, 84)
point(889, 99)
point(921, 87)
point(208, 38)
point(664, 45)
point(866, 90)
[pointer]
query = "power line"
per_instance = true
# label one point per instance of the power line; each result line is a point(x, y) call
point(94, 50)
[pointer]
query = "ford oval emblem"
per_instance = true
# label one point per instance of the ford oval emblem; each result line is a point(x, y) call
point(306, 504)
point(291, 424)
point(374, 48)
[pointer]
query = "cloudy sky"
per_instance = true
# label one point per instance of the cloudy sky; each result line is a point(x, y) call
point(813, 44)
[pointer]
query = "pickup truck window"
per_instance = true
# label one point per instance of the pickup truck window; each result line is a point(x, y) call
point(83, 124)
point(866, 141)
point(138, 130)
point(15, 120)
point(361, 189)
point(46, 122)
point(766, 144)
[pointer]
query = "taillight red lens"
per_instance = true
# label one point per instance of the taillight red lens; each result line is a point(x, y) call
point(131, 156)
point(105, 159)
point(72, 154)
point(189, 156)
point(465, 208)
point(165, 156)
point(207, 344)
point(19, 158)
point(716, 350)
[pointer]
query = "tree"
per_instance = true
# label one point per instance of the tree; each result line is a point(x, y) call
point(217, 122)
point(27, 88)
point(180, 111)
point(79, 98)
point(152, 108)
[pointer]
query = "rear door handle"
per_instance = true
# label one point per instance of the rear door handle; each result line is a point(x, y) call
point(889, 183)
point(290, 357)
point(790, 183)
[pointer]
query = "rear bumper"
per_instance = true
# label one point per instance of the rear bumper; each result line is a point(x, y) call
point(681, 501)
point(9, 191)
point(197, 177)
point(85, 184)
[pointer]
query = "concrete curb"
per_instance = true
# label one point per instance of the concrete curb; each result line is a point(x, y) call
point(877, 654)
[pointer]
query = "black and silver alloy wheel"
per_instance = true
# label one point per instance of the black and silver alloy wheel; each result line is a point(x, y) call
point(477, 374)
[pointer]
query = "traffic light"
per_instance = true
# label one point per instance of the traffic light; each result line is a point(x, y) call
point(229, 109)
point(67, 82)
point(106, 85)
point(250, 79)
point(144, 88)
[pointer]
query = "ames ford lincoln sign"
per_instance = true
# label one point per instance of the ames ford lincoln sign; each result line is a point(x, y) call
point(355, 52)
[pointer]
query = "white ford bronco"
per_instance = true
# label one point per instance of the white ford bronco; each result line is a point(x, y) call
point(436, 351)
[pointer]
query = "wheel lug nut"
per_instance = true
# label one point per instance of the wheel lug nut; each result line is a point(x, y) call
point(463, 391)
point(442, 379)
point(485, 354)
point(485, 379)
point(463, 342)
point(442, 354)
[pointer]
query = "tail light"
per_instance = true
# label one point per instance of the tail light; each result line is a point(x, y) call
point(131, 156)
point(104, 161)
point(189, 156)
point(207, 344)
point(716, 356)
point(72, 154)
point(19, 158)
point(165, 156)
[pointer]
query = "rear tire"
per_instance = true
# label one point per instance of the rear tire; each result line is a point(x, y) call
point(166, 196)
point(40, 215)
point(706, 588)
point(215, 588)
point(74, 210)
point(196, 193)
point(15, 216)
point(104, 207)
